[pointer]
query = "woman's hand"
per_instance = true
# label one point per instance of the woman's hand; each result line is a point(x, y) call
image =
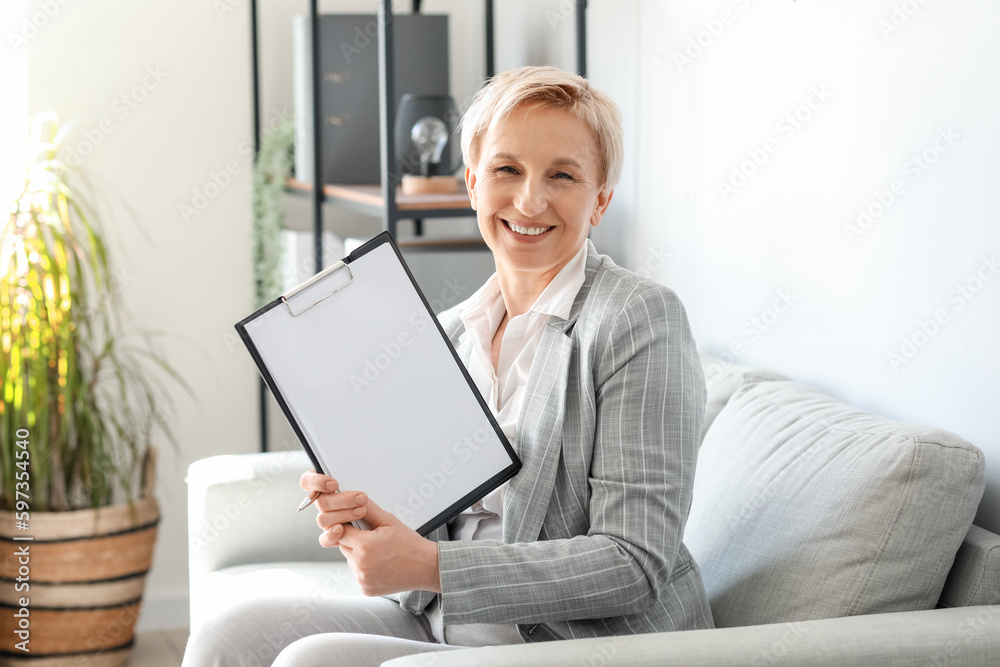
point(389, 558)
point(335, 509)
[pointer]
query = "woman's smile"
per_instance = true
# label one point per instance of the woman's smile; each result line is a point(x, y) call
point(526, 232)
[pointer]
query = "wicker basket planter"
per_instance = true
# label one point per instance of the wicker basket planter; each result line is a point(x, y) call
point(86, 570)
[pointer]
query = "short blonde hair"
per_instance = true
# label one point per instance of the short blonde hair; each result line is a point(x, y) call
point(550, 87)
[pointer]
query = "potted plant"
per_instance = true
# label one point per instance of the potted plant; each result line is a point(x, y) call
point(79, 404)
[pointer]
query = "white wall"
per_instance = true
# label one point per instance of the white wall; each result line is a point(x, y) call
point(13, 111)
point(184, 71)
point(902, 93)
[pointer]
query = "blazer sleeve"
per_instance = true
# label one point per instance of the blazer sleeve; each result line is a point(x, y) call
point(649, 402)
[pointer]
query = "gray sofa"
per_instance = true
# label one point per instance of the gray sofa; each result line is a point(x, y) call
point(825, 535)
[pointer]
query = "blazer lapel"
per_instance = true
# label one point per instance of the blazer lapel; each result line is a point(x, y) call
point(539, 438)
point(540, 429)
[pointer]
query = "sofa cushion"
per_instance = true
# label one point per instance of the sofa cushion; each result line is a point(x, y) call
point(723, 379)
point(806, 508)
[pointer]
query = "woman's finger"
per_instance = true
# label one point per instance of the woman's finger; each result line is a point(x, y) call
point(313, 481)
point(348, 500)
point(326, 520)
point(330, 538)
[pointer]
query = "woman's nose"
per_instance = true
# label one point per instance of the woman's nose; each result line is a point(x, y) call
point(531, 199)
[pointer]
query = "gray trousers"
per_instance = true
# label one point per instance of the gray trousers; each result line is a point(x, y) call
point(327, 633)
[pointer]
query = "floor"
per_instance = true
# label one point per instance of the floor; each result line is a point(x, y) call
point(163, 648)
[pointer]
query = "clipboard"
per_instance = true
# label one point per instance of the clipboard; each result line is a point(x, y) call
point(376, 393)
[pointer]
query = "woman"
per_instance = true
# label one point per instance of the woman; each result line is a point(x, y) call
point(594, 378)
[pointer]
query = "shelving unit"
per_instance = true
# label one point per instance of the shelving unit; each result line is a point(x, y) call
point(380, 199)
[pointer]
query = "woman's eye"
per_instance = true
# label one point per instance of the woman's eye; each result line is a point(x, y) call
point(563, 174)
point(507, 170)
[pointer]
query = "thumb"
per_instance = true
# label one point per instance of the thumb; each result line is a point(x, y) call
point(376, 516)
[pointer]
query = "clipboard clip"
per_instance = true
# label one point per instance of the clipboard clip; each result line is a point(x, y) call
point(291, 294)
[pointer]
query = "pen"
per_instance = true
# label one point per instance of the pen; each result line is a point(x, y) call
point(306, 502)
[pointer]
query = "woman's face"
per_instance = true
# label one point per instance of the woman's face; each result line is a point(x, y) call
point(537, 189)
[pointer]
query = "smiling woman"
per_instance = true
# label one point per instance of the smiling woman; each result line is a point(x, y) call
point(593, 375)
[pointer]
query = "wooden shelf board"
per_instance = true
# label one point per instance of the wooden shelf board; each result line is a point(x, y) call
point(371, 195)
point(417, 242)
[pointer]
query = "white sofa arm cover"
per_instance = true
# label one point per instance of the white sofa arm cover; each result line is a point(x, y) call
point(241, 509)
point(975, 576)
point(960, 637)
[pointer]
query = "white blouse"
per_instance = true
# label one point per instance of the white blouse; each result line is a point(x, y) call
point(503, 390)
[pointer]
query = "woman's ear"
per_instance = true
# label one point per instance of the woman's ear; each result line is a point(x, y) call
point(470, 184)
point(603, 200)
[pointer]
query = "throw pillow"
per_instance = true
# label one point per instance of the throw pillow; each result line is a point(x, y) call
point(807, 508)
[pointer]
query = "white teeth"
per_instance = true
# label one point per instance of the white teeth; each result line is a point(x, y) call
point(527, 231)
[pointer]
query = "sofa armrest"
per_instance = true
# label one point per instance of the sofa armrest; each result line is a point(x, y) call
point(241, 510)
point(954, 637)
point(975, 576)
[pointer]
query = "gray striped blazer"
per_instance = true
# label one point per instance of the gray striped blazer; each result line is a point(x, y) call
point(608, 436)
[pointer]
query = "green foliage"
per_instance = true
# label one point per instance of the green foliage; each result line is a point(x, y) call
point(273, 166)
point(89, 399)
